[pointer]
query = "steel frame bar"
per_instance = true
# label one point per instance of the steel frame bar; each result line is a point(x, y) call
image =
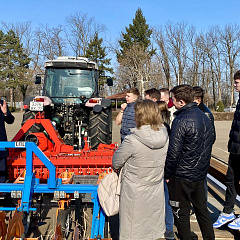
point(32, 185)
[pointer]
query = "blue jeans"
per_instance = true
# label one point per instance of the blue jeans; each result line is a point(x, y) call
point(168, 210)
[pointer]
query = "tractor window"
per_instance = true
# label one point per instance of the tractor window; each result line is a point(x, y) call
point(65, 83)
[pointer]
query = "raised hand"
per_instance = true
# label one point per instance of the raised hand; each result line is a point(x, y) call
point(4, 107)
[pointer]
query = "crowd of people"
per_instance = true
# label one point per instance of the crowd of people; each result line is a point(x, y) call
point(164, 155)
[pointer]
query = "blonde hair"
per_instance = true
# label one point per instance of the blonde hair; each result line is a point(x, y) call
point(147, 113)
point(163, 108)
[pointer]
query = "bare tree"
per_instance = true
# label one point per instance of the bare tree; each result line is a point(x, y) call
point(80, 31)
point(24, 32)
point(195, 56)
point(157, 78)
point(50, 41)
point(135, 64)
point(162, 54)
point(177, 38)
point(210, 44)
point(230, 41)
point(32, 43)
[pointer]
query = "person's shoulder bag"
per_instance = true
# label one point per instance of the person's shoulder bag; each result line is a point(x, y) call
point(109, 192)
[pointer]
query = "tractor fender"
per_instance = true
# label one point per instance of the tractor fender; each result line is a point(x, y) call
point(46, 100)
point(27, 101)
point(106, 102)
point(98, 104)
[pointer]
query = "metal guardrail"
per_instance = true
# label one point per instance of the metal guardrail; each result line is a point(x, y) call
point(218, 168)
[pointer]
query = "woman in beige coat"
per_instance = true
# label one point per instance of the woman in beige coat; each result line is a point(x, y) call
point(142, 156)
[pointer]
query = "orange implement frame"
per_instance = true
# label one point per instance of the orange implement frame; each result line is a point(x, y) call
point(64, 157)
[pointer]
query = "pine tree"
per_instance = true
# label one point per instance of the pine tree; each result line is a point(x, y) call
point(2, 84)
point(14, 63)
point(97, 53)
point(135, 54)
point(137, 33)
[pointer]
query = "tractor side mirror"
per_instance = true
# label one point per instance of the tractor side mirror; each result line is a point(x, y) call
point(109, 82)
point(102, 73)
point(38, 80)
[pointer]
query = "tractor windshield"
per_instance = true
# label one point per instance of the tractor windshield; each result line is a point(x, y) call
point(61, 84)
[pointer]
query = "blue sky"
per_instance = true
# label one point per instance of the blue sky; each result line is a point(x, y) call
point(115, 15)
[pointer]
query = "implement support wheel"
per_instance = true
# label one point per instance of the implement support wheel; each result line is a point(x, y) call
point(64, 217)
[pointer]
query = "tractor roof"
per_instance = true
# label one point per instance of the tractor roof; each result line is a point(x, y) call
point(71, 62)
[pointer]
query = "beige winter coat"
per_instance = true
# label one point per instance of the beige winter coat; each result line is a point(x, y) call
point(142, 206)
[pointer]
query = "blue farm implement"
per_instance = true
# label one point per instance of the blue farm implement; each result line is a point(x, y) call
point(40, 165)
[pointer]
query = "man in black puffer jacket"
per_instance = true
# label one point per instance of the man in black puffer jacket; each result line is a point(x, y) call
point(187, 163)
point(233, 172)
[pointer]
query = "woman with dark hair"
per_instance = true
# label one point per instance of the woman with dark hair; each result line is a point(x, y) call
point(142, 156)
point(169, 234)
point(163, 108)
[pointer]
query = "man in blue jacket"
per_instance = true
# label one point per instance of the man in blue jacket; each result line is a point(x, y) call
point(187, 163)
point(126, 116)
point(5, 116)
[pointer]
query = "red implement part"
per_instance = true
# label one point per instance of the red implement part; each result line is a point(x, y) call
point(59, 145)
point(3, 226)
point(15, 226)
point(64, 158)
point(58, 233)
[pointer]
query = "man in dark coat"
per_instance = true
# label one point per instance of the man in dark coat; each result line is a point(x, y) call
point(5, 116)
point(233, 172)
point(187, 163)
point(198, 98)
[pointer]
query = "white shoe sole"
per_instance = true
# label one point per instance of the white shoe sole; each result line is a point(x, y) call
point(223, 223)
point(234, 228)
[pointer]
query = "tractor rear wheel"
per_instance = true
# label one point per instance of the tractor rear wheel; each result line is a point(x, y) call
point(100, 127)
point(36, 127)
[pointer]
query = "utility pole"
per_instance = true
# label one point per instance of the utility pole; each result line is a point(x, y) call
point(178, 78)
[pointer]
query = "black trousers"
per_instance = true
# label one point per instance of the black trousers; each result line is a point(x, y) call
point(232, 182)
point(182, 194)
point(3, 169)
point(114, 226)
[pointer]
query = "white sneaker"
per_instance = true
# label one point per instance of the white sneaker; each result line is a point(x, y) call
point(235, 224)
point(223, 219)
